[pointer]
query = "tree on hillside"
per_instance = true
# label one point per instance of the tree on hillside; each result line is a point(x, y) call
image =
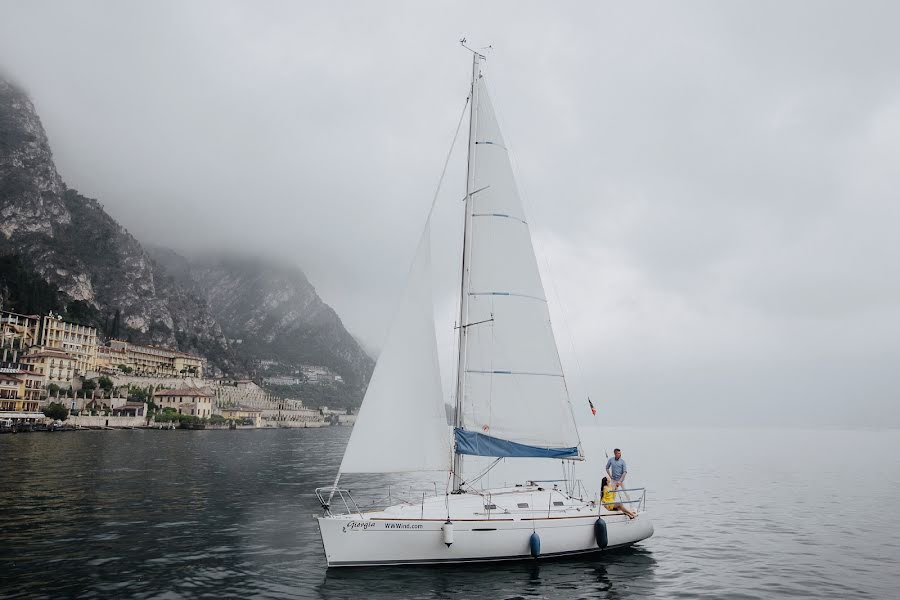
point(25, 291)
point(88, 386)
point(82, 313)
point(56, 411)
point(114, 330)
point(105, 383)
point(138, 394)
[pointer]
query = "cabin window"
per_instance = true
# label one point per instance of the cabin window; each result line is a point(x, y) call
point(490, 507)
point(557, 503)
point(522, 505)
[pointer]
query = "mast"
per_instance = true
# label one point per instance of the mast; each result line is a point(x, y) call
point(466, 255)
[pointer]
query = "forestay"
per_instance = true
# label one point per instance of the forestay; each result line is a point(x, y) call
point(513, 386)
point(402, 424)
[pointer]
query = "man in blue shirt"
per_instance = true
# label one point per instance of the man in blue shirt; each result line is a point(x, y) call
point(615, 468)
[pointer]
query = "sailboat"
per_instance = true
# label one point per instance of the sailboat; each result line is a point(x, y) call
point(511, 402)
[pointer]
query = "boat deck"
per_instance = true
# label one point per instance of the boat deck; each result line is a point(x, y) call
point(520, 503)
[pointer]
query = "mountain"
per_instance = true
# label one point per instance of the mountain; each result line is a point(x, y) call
point(101, 274)
point(61, 251)
point(273, 310)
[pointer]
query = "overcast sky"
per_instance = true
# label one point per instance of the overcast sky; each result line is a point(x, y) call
point(713, 186)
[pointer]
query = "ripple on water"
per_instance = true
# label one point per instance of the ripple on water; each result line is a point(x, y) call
point(224, 516)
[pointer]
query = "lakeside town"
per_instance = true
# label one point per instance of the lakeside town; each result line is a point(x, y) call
point(56, 374)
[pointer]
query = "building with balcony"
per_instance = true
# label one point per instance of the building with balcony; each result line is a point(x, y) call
point(35, 387)
point(154, 361)
point(58, 367)
point(109, 359)
point(12, 392)
point(79, 341)
point(18, 333)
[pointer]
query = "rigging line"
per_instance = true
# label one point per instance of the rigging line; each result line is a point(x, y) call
point(437, 191)
point(483, 473)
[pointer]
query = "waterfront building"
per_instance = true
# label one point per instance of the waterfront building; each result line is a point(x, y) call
point(18, 333)
point(35, 383)
point(154, 361)
point(12, 391)
point(58, 367)
point(17, 402)
point(18, 392)
point(79, 341)
point(130, 409)
point(286, 410)
point(237, 413)
point(187, 401)
point(35, 387)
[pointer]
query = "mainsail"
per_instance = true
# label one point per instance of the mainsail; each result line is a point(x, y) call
point(402, 424)
point(512, 398)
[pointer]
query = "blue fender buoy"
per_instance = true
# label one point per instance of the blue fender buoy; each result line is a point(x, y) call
point(535, 544)
point(600, 533)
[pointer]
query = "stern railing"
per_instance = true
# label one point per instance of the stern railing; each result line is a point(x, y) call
point(641, 502)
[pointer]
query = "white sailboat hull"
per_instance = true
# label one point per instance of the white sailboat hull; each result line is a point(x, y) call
point(389, 538)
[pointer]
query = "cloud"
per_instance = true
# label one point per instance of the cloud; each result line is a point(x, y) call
point(714, 184)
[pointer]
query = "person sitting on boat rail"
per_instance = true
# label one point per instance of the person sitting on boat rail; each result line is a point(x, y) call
point(609, 499)
point(616, 469)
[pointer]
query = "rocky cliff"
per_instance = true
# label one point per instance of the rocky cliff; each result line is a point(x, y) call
point(273, 310)
point(53, 237)
point(70, 242)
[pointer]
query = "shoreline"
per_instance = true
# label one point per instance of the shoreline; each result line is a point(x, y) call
point(47, 429)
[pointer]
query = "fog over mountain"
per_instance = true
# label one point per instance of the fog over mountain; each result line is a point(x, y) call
point(713, 186)
point(61, 252)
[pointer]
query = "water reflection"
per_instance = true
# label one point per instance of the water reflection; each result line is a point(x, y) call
point(223, 514)
point(627, 573)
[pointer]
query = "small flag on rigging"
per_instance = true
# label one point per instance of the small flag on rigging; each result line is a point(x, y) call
point(593, 410)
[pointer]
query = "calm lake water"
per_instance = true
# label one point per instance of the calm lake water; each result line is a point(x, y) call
point(739, 513)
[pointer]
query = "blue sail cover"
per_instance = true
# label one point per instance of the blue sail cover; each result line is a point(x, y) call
point(478, 444)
